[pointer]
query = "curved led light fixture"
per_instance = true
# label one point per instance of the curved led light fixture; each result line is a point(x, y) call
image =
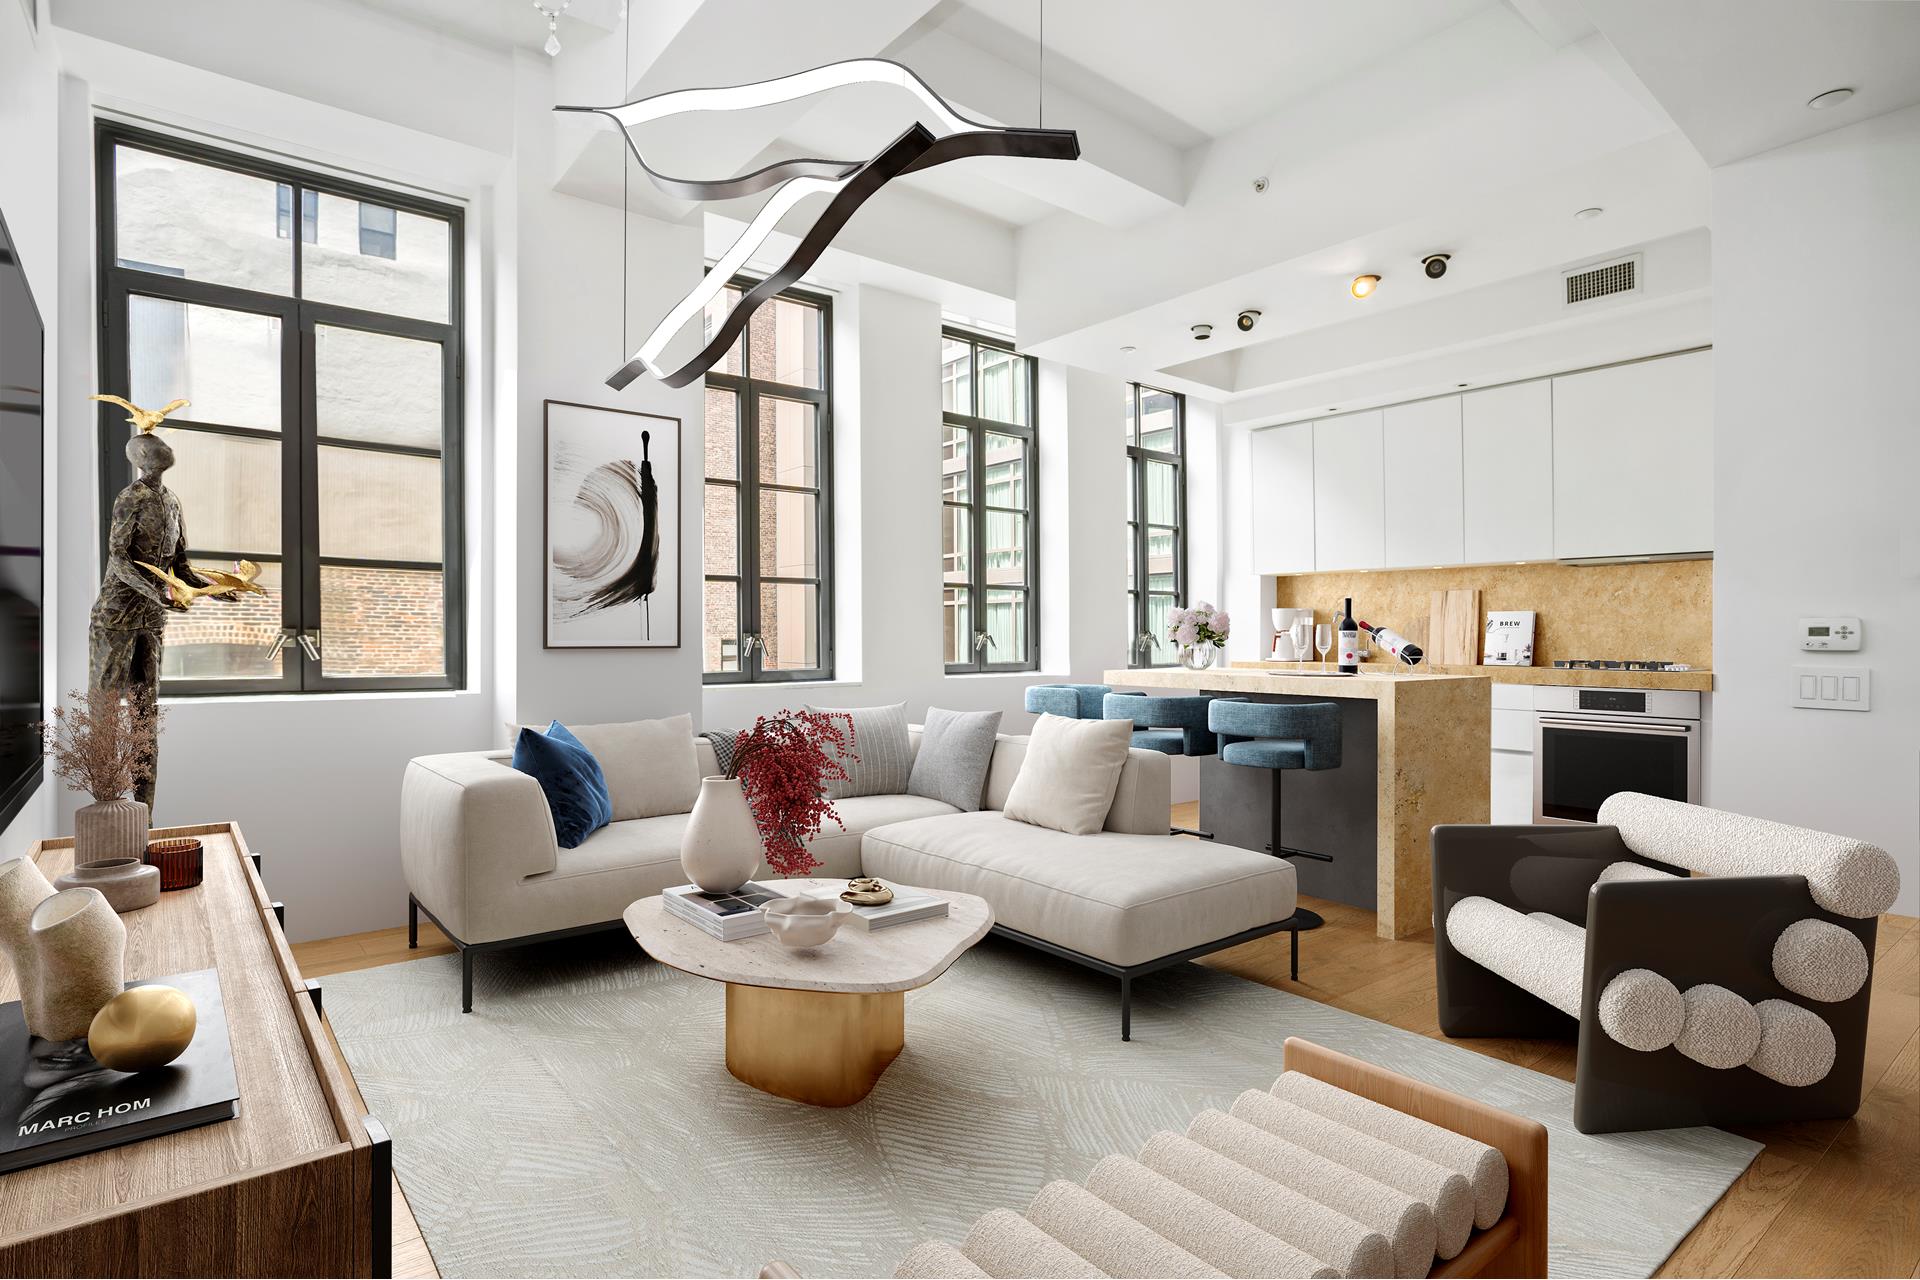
point(848, 182)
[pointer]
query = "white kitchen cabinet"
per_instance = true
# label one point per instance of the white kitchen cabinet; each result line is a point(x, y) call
point(1423, 492)
point(1349, 490)
point(1282, 460)
point(1507, 461)
point(1633, 458)
point(1511, 797)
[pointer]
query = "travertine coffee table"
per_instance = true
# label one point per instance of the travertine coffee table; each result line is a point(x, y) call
point(817, 1025)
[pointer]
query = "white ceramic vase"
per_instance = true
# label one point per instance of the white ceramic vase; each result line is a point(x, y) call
point(722, 845)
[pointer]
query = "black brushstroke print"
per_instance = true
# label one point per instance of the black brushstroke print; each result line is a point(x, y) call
point(611, 492)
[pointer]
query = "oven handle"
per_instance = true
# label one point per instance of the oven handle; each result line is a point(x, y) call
point(1634, 726)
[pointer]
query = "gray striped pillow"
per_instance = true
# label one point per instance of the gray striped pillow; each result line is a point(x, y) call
point(886, 755)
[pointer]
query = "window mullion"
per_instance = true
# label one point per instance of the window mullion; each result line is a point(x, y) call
point(302, 425)
point(748, 526)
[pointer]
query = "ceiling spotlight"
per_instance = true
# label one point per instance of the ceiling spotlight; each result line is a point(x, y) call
point(1363, 286)
point(1435, 265)
point(1201, 332)
point(1247, 319)
point(1259, 186)
point(1127, 351)
point(1831, 98)
point(1589, 213)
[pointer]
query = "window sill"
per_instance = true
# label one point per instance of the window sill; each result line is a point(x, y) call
point(344, 695)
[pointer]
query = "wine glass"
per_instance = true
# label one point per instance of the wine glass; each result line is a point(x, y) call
point(1299, 632)
point(1323, 641)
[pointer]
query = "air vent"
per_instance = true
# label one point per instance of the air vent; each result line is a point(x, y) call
point(1603, 280)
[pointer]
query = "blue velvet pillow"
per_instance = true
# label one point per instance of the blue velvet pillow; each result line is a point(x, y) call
point(570, 778)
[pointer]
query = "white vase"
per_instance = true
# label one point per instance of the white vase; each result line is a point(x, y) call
point(722, 845)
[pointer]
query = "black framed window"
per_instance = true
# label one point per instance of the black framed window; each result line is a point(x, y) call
point(768, 515)
point(1156, 519)
point(323, 437)
point(988, 455)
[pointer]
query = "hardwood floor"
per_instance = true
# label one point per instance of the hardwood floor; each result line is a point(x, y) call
point(1833, 1198)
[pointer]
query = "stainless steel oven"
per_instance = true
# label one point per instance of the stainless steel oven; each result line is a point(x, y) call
point(1590, 743)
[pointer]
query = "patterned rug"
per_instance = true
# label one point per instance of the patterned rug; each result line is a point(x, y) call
point(581, 1121)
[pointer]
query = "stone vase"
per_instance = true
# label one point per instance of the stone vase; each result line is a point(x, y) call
point(110, 829)
point(127, 883)
point(80, 947)
point(722, 845)
point(22, 888)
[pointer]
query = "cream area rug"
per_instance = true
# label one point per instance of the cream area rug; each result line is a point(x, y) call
point(581, 1121)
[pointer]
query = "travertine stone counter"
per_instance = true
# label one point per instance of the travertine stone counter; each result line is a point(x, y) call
point(1570, 677)
point(1432, 756)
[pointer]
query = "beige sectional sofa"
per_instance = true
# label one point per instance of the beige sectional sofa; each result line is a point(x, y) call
point(478, 849)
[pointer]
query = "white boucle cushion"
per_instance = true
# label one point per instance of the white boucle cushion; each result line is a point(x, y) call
point(1538, 958)
point(1555, 922)
point(1722, 1029)
point(1642, 1010)
point(1002, 1243)
point(1796, 1045)
point(1070, 773)
point(1201, 1227)
point(1614, 872)
point(1820, 960)
point(1848, 877)
point(1106, 1237)
point(650, 765)
point(937, 1260)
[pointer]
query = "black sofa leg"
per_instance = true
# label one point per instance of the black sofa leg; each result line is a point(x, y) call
point(1293, 962)
point(413, 923)
point(466, 979)
point(1126, 1008)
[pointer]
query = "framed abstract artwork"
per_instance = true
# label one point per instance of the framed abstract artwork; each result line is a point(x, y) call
point(612, 528)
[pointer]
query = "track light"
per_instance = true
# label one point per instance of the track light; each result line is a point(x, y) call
point(1363, 286)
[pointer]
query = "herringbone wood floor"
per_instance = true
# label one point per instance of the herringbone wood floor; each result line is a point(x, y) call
point(1837, 1198)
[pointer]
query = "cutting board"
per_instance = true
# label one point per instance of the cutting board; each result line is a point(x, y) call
point(1454, 629)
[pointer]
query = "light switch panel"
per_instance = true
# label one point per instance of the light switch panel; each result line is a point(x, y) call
point(1832, 688)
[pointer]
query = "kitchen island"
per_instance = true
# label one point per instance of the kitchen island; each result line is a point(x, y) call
point(1415, 752)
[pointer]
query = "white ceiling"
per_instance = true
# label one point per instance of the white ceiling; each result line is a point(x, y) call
point(504, 23)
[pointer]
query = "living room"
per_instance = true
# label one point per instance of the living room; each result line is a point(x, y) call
point(1124, 553)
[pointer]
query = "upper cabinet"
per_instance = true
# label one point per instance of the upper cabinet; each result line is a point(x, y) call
point(1507, 462)
point(1349, 492)
point(1633, 459)
point(1424, 506)
point(1283, 499)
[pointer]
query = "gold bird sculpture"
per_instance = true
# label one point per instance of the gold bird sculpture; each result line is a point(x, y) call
point(144, 419)
point(220, 583)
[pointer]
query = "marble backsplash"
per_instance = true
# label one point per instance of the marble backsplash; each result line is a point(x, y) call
point(1660, 612)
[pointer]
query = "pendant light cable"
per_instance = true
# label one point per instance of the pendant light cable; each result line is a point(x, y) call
point(1040, 90)
point(626, 155)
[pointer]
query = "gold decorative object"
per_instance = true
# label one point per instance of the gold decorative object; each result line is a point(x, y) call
point(143, 420)
point(219, 583)
point(865, 891)
point(142, 1028)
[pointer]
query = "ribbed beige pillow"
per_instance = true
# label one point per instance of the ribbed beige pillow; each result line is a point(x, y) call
point(650, 765)
point(1070, 773)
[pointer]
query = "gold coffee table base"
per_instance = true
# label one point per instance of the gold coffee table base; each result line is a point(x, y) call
point(825, 1048)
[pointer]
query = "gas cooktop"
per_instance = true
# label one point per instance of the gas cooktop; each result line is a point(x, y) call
point(1618, 664)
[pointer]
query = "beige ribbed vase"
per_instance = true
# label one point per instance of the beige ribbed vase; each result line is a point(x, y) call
point(80, 947)
point(22, 888)
point(110, 829)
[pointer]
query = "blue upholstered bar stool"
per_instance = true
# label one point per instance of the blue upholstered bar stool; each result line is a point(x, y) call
point(1176, 726)
point(1074, 701)
point(1278, 736)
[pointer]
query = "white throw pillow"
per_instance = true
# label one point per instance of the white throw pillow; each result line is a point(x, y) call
point(1070, 774)
point(650, 765)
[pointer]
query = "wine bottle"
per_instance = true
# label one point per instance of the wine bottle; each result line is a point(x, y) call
point(1394, 643)
point(1349, 641)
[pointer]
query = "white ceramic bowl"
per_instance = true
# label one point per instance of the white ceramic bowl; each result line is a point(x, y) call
point(805, 922)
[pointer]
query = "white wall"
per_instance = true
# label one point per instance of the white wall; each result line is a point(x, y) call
point(1817, 410)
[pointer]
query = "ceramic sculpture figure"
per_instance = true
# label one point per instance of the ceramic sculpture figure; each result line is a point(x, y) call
point(22, 888)
point(80, 949)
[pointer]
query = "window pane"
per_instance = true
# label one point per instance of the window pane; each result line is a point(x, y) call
point(787, 440)
point(720, 535)
point(1158, 608)
point(956, 544)
point(1003, 386)
point(956, 623)
point(1157, 419)
point(382, 622)
point(1006, 548)
point(179, 218)
point(790, 625)
point(1163, 559)
point(955, 480)
point(783, 343)
point(1006, 625)
point(220, 639)
point(227, 363)
point(721, 627)
point(789, 534)
point(1126, 414)
point(379, 506)
point(1162, 477)
point(1006, 471)
point(229, 491)
point(377, 387)
point(723, 434)
point(956, 376)
point(355, 261)
point(1133, 541)
point(717, 312)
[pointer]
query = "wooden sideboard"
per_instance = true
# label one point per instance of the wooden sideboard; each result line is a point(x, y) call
point(297, 1184)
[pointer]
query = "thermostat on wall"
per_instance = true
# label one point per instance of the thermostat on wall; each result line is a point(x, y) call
point(1829, 634)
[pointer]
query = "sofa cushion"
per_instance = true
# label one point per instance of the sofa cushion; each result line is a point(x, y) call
point(1125, 899)
point(880, 743)
point(649, 765)
point(569, 778)
point(639, 842)
point(955, 749)
point(838, 852)
point(1070, 774)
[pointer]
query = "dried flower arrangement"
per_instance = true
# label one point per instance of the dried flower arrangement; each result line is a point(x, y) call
point(101, 742)
point(784, 763)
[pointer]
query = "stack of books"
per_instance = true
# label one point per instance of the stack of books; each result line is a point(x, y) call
point(726, 916)
point(908, 905)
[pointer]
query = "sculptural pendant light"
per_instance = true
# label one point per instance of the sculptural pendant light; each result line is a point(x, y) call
point(847, 183)
point(551, 11)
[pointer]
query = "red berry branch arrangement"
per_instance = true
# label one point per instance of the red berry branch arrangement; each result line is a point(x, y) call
point(784, 763)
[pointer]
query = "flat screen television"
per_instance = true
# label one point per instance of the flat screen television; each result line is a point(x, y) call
point(22, 530)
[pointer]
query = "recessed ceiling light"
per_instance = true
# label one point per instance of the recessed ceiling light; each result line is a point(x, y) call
point(1362, 286)
point(1201, 332)
point(1590, 213)
point(1463, 384)
point(1127, 351)
point(1831, 98)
